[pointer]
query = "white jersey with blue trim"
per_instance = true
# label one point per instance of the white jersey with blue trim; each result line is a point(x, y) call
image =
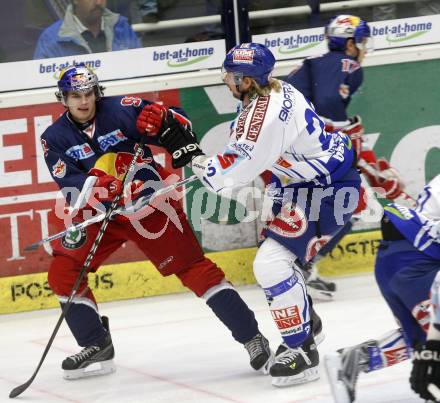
point(420, 225)
point(282, 133)
point(428, 201)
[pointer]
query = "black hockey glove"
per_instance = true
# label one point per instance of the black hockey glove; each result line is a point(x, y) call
point(180, 142)
point(426, 368)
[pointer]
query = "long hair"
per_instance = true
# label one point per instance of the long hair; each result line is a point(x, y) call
point(264, 90)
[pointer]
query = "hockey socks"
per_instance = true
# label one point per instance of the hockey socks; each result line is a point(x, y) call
point(235, 314)
point(85, 324)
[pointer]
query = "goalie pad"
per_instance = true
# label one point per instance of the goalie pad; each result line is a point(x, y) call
point(382, 177)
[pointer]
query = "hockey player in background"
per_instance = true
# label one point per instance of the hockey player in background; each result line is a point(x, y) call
point(329, 82)
point(88, 150)
point(407, 262)
point(316, 190)
point(426, 359)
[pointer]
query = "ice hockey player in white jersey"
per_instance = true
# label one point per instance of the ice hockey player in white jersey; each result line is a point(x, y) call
point(315, 186)
point(407, 262)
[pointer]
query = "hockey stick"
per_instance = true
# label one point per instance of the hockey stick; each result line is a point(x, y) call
point(368, 168)
point(21, 388)
point(435, 391)
point(140, 204)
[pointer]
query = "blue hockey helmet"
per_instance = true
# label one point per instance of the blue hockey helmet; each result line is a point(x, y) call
point(77, 78)
point(249, 60)
point(343, 27)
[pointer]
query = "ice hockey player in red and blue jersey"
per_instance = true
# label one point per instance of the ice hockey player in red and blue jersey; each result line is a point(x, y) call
point(87, 151)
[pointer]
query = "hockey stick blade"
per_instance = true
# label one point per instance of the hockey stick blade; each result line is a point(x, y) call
point(435, 391)
point(140, 203)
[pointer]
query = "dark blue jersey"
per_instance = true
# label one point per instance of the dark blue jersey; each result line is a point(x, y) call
point(328, 81)
point(72, 155)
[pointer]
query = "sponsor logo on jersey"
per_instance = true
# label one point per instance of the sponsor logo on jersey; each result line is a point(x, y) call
point(45, 147)
point(59, 169)
point(257, 118)
point(111, 139)
point(243, 149)
point(286, 108)
point(80, 152)
point(243, 56)
point(283, 163)
point(227, 160)
point(241, 121)
point(286, 318)
point(290, 222)
point(315, 245)
point(74, 239)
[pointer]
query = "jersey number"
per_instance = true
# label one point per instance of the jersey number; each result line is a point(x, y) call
point(315, 126)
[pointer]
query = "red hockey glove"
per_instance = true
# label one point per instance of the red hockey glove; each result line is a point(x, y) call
point(106, 188)
point(355, 131)
point(151, 119)
point(380, 175)
point(133, 189)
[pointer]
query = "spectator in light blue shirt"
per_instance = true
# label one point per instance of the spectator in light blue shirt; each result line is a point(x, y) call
point(88, 27)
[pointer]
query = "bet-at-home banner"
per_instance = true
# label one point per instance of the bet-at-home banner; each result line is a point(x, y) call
point(399, 105)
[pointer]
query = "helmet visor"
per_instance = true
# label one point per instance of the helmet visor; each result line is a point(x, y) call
point(367, 44)
point(230, 77)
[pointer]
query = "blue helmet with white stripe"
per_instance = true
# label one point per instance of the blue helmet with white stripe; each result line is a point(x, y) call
point(343, 27)
point(250, 60)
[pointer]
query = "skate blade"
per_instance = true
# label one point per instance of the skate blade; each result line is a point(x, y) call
point(266, 367)
point(332, 363)
point(309, 375)
point(95, 369)
point(320, 294)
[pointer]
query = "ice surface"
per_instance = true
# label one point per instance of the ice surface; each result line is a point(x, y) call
point(173, 349)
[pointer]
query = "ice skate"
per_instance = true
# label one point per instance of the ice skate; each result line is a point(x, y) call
point(343, 368)
point(92, 360)
point(295, 365)
point(317, 287)
point(318, 334)
point(260, 354)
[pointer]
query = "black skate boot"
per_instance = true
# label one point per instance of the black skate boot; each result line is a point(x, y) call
point(343, 368)
point(92, 360)
point(316, 286)
point(318, 334)
point(260, 354)
point(295, 365)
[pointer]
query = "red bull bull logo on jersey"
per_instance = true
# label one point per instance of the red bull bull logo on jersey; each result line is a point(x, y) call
point(59, 169)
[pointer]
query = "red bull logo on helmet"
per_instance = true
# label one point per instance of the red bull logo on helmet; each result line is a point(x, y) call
point(348, 20)
point(59, 169)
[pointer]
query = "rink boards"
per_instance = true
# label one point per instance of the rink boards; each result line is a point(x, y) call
point(354, 255)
